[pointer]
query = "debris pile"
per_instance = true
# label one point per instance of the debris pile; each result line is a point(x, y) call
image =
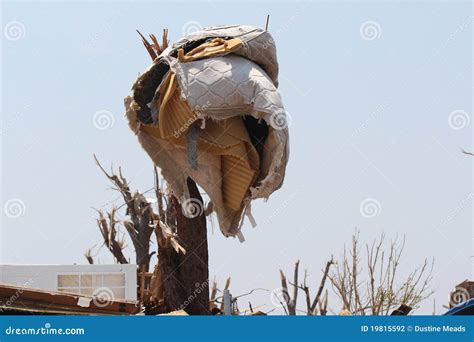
point(208, 108)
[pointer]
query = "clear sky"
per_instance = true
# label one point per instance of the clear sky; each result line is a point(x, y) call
point(380, 96)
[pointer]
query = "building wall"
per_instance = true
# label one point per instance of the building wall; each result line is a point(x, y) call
point(112, 281)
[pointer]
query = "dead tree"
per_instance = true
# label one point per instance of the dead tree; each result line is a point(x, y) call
point(139, 225)
point(318, 302)
point(290, 302)
point(378, 290)
point(109, 233)
point(185, 277)
point(182, 274)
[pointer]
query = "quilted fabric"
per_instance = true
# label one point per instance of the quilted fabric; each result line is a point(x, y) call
point(259, 46)
point(225, 85)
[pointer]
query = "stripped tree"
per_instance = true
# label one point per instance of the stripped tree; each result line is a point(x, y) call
point(378, 289)
point(139, 223)
point(315, 306)
point(180, 279)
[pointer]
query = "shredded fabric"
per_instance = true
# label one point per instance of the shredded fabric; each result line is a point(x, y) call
point(200, 110)
point(191, 145)
point(248, 213)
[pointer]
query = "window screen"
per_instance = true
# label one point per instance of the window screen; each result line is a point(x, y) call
point(86, 284)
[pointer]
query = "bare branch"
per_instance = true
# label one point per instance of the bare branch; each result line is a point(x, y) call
point(382, 293)
point(88, 255)
point(286, 295)
point(109, 234)
point(321, 285)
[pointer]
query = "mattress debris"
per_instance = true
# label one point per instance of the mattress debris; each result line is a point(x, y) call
point(208, 108)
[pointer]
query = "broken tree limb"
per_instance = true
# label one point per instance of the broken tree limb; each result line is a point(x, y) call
point(321, 285)
point(290, 301)
point(109, 234)
point(140, 227)
point(311, 306)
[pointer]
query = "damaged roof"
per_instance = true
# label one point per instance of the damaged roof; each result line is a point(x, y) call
point(22, 300)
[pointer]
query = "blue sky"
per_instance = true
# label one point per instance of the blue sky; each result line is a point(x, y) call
point(380, 97)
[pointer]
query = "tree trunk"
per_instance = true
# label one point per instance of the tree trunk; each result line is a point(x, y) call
point(186, 277)
point(142, 238)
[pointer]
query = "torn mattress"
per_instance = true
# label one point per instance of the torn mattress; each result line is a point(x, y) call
point(208, 108)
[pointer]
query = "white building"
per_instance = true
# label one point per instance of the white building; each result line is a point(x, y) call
point(117, 281)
